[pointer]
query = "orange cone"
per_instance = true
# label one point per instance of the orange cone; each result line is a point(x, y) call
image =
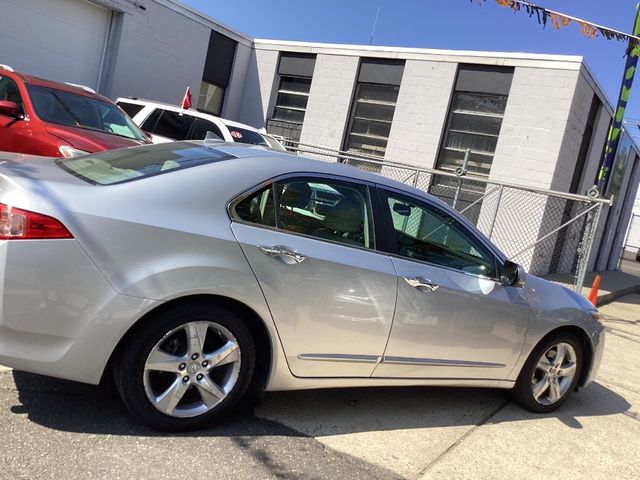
point(593, 294)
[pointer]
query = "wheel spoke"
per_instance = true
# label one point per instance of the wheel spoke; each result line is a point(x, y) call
point(567, 370)
point(163, 362)
point(554, 391)
point(210, 392)
point(196, 335)
point(228, 353)
point(168, 401)
point(540, 387)
point(561, 353)
point(544, 364)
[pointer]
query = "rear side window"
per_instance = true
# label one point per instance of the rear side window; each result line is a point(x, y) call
point(128, 164)
point(200, 127)
point(130, 109)
point(241, 135)
point(173, 125)
point(258, 208)
point(9, 92)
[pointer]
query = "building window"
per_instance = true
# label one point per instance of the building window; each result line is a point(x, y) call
point(210, 99)
point(474, 125)
point(371, 118)
point(291, 103)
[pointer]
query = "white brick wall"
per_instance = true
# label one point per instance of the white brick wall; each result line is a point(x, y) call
point(330, 96)
point(159, 54)
point(534, 125)
point(259, 87)
point(421, 112)
point(235, 91)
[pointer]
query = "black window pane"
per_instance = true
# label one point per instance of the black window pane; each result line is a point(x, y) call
point(293, 84)
point(380, 93)
point(130, 109)
point(150, 122)
point(477, 163)
point(374, 111)
point(465, 122)
point(258, 208)
point(241, 135)
point(371, 127)
point(200, 127)
point(367, 145)
point(473, 141)
point(480, 103)
point(173, 125)
point(292, 100)
point(287, 115)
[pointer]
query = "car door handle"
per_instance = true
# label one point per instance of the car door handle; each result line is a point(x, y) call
point(282, 251)
point(421, 282)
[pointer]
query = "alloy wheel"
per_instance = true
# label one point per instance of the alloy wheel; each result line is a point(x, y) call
point(554, 373)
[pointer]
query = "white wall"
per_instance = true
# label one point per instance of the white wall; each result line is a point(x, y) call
point(421, 112)
point(259, 87)
point(234, 95)
point(330, 96)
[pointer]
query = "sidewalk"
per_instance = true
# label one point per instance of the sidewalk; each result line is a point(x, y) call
point(613, 284)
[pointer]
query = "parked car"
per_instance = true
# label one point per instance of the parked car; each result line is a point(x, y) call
point(42, 117)
point(165, 123)
point(192, 270)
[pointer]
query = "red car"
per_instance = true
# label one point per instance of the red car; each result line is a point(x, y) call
point(42, 117)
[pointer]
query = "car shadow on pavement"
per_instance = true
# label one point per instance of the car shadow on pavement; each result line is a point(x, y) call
point(76, 407)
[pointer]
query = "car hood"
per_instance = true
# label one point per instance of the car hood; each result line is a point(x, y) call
point(90, 140)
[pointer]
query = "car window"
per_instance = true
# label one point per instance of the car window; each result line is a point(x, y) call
point(200, 127)
point(329, 210)
point(425, 233)
point(130, 109)
point(9, 92)
point(150, 122)
point(258, 208)
point(242, 135)
point(173, 125)
point(66, 108)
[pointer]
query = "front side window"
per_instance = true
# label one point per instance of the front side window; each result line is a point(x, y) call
point(201, 127)
point(172, 125)
point(131, 109)
point(371, 117)
point(9, 92)
point(66, 108)
point(324, 209)
point(425, 233)
point(291, 102)
point(210, 99)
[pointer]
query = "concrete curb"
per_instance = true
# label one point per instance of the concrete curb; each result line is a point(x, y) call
point(611, 296)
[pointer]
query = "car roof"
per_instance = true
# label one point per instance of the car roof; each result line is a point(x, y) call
point(65, 87)
point(190, 111)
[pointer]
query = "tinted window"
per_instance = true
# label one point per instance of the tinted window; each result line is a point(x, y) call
point(126, 164)
point(66, 108)
point(200, 127)
point(258, 208)
point(130, 109)
point(328, 210)
point(242, 135)
point(173, 125)
point(9, 92)
point(427, 234)
point(150, 122)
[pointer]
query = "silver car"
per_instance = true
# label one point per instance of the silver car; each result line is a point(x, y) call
point(197, 273)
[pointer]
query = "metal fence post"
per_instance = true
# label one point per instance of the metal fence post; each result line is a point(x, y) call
point(459, 187)
point(589, 234)
point(495, 212)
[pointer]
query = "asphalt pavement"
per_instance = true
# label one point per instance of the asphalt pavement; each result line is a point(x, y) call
point(53, 429)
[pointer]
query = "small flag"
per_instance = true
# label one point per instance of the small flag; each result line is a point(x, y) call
point(186, 101)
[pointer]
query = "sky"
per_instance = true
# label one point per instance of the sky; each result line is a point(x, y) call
point(445, 24)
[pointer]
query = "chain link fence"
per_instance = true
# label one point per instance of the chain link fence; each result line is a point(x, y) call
point(548, 233)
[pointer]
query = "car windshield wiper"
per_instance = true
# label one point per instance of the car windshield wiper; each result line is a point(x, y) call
point(65, 108)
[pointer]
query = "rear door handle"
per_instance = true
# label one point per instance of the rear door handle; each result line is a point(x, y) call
point(290, 256)
point(421, 282)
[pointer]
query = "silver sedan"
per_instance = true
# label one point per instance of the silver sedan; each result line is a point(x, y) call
point(198, 273)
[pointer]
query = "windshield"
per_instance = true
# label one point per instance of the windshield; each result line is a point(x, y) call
point(64, 108)
point(241, 135)
point(127, 164)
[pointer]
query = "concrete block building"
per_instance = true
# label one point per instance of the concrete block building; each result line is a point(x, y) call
point(528, 119)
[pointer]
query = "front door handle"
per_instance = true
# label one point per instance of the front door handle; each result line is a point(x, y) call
point(421, 282)
point(290, 256)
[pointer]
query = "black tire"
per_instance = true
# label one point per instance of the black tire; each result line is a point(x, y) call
point(129, 366)
point(522, 393)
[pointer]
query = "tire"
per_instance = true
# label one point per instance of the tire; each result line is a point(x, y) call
point(536, 390)
point(171, 381)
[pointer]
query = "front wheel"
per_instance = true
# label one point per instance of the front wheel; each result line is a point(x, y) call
point(186, 367)
point(550, 374)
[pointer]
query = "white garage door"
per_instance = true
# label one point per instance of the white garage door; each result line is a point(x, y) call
point(57, 39)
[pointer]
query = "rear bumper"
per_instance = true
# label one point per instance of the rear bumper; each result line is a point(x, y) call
point(58, 315)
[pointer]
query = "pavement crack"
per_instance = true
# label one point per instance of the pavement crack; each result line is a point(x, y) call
point(450, 448)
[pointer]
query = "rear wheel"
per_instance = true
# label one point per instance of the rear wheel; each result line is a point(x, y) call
point(550, 374)
point(186, 367)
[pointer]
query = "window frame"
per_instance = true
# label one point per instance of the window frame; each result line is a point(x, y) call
point(386, 219)
point(21, 110)
point(378, 231)
point(224, 94)
point(291, 92)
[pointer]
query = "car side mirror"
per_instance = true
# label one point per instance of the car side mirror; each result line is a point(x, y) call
point(9, 109)
point(402, 209)
point(512, 274)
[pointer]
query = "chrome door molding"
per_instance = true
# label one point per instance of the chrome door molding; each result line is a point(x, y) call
point(434, 362)
point(327, 357)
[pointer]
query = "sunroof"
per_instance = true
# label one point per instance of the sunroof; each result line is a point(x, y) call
point(129, 164)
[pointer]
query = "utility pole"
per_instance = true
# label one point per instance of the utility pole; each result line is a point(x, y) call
point(613, 138)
